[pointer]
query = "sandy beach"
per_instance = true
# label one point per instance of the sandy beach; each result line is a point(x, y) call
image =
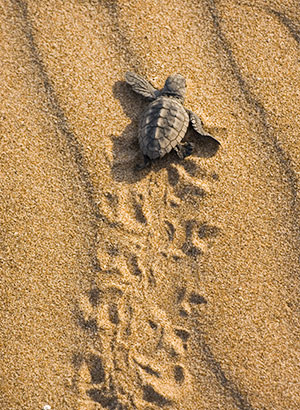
point(174, 287)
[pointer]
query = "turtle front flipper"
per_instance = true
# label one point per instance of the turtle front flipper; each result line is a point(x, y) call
point(197, 125)
point(140, 85)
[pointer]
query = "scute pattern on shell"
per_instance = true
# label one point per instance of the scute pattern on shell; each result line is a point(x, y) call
point(163, 126)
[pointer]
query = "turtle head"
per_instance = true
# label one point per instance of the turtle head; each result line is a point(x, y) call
point(175, 85)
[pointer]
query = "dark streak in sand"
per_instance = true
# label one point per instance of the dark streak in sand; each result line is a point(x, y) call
point(122, 44)
point(270, 140)
point(240, 401)
point(60, 122)
point(288, 23)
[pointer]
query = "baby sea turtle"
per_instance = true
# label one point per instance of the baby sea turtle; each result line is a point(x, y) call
point(165, 121)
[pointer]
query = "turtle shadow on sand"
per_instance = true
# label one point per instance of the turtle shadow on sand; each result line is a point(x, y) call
point(126, 151)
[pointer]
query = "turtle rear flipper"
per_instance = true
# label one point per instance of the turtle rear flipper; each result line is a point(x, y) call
point(184, 150)
point(146, 162)
point(140, 85)
point(197, 125)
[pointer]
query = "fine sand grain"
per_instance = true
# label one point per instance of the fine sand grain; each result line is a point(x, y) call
point(176, 287)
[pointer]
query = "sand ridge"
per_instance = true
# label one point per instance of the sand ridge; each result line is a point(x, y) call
point(176, 287)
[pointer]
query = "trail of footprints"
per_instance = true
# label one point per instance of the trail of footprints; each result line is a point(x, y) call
point(113, 366)
point(187, 192)
point(195, 233)
point(135, 345)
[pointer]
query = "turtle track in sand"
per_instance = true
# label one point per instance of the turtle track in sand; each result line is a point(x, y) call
point(123, 370)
